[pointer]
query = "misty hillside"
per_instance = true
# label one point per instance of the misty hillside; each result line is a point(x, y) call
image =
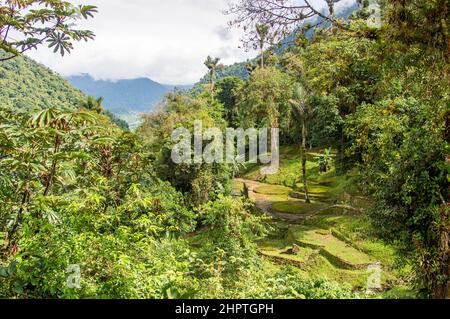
point(124, 95)
point(127, 99)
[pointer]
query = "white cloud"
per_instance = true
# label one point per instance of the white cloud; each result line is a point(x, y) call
point(166, 41)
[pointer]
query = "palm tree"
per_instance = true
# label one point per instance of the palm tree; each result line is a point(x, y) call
point(304, 112)
point(250, 67)
point(213, 65)
point(93, 104)
point(262, 31)
point(99, 102)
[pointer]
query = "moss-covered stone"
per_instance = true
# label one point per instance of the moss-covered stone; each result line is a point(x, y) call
point(336, 251)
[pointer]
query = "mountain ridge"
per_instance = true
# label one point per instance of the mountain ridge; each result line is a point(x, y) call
point(126, 98)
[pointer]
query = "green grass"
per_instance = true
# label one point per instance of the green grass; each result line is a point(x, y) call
point(314, 197)
point(290, 168)
point(332, 245)
point(340, 187)
point(344, 235)
point(314, 265)
point(273, 190)
point(296, 207)
point(238, 187)
point(336, 188)
point(277, 198)
point(272, 244)
point(349, 225)
point(277, 248)
point(302, 256)
point(320, 267)
point(317, 189)
point(314, 189)
point(356, 229)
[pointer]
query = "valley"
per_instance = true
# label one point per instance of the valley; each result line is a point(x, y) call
point(104, 194)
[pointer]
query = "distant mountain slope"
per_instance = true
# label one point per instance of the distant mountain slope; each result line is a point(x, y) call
point(127, 99)
point(123, 96)
point(30, 86)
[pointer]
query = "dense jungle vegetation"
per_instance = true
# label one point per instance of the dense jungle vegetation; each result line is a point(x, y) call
point(363, 113)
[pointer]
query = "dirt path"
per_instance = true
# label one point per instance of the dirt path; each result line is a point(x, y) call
point(263, 202)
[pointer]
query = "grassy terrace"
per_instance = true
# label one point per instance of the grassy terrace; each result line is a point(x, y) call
point(336, 244)
point(334, 249)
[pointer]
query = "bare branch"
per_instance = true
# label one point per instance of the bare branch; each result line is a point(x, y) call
point(283, 17)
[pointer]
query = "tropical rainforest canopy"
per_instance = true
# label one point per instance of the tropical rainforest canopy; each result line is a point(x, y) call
point(363, 113)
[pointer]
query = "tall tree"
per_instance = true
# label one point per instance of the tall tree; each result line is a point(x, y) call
point(262, 31)
point(93, 104)
point(213, 65)
point(304, 113)
point(266, 96)
point(227, 93)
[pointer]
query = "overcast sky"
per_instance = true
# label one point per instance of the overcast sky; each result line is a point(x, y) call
point(165, 40)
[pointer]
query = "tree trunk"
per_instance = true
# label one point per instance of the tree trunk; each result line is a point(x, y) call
point(246, 191)
point(53, 169)
point(25, 197)
point(212, 82)
point(303, 154)
point(341, 153)
point(442, 289)
point(262, 57)
point(50, 178)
